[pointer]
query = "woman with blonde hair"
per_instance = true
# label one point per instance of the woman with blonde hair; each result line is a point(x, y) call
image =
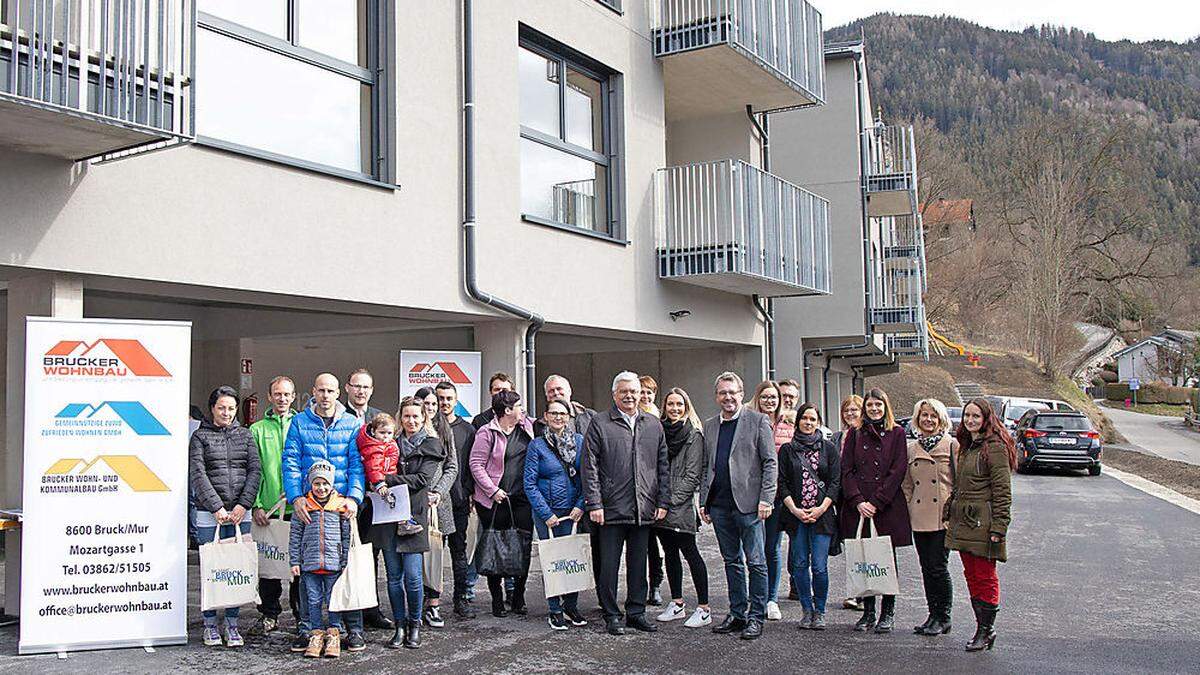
point(677, 532)
point(768, 400)
point(927, 486)
point(850, 414)
point(874, 462)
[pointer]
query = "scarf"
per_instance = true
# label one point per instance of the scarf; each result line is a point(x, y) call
point(809, 447)
point(809, 441)
point(677, 434)
point(928, 443)
point(877, 424)
point(409, 445)
point(563, 445)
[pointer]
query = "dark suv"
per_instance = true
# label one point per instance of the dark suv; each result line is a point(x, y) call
point(1055, 438)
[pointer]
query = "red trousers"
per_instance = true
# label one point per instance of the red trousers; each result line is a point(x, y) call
point(982, 581)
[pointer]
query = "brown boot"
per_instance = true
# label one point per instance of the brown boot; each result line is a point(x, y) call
point(333, 643)
point(316, 640)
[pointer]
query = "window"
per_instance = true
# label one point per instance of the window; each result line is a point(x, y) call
point(614, 5)
point(294, 80)
point(567, 146)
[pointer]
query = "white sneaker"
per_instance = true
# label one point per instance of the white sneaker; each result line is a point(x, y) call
point(700, 617)
point(672, 612)
point(773, 613)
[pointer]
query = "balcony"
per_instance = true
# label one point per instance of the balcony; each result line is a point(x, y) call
point(720, 55)
point(890, 162)
point(730, 226)
point(897, 304)
point(86, 78)
point(909, 346)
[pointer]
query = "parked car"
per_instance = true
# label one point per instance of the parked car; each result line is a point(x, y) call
point(1013, 412)
point(955, 413)
point(1059, 439)
point(910, 427)
point(1047, 403)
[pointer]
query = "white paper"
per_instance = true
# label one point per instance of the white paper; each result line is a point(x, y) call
point(381, 512)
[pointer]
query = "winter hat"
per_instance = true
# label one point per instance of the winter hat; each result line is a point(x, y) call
point(320, 469)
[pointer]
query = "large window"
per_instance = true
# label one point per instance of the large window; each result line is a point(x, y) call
point(567, 139)
point(294, 80)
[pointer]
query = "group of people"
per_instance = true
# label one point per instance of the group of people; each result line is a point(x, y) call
point(639, 479)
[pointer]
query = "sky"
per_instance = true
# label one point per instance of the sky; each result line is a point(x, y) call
point(1177, 20)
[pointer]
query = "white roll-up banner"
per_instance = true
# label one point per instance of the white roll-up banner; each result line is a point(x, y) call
point(104, 537)
point(427, 368)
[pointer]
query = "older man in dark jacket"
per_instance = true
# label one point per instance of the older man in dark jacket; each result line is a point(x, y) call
point(737, 494)
point(625, 477)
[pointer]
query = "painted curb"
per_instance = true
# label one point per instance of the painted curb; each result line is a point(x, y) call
point(1154, 489)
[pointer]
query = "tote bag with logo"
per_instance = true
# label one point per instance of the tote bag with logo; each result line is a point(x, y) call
point(272, 540)
point(434, 557)
point(355, 588)
point(566, 563)
point(228, 572)
point(870, 567)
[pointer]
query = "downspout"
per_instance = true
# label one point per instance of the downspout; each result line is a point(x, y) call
point(765, 306)
point(469, 221)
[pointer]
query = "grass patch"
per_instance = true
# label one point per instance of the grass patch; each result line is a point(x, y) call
point(1166, 409)
point(1181, 477)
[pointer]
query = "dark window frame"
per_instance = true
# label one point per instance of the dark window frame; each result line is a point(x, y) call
point(610, 155)
point(614, 5)
point(379, 41)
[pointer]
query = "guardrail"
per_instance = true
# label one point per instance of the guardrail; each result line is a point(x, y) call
point(784, 36)
point(728, 217)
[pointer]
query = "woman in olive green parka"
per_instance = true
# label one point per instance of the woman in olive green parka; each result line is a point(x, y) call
point(979, 511)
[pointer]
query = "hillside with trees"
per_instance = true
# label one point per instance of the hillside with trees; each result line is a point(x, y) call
point(1081, 156)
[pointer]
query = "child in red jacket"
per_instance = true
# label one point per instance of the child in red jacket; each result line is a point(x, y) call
point(380, 457)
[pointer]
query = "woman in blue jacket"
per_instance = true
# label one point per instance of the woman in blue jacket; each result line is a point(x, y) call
point(552, 485)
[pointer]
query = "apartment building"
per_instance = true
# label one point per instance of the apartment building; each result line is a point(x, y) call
point(873, 318)
point(570, 186)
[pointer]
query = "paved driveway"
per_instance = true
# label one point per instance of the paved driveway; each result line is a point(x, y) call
point(1164, 436)
point(1099, 581)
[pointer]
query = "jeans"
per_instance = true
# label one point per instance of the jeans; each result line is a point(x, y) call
point(772, 539)
point(809, 556)
point(317, 588)
point(405, 584)
point(569, 601)
point(740, 537)
point(205, 535)
point(675, 543)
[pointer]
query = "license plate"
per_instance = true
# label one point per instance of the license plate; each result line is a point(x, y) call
point(1062, 441)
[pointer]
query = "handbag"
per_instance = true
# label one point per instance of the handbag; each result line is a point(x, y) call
point(434, 560)
point(870, 564)
point(272, 540)
point(503, 552)
point(355, 587)
point(228, 572)
point(566, 562)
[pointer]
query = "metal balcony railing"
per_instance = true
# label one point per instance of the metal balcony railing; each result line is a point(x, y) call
point(575, 203)
point(909, 346)
point(782, 36)
point(890, 166)
point(897, 292)
point(734, 227)
point(126, 64)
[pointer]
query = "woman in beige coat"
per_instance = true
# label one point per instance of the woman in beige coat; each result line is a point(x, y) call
point(927, 486)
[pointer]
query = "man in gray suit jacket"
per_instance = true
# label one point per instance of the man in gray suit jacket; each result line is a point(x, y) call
point(736, 496)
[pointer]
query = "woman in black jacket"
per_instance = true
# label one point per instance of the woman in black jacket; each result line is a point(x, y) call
point(421, 453)
point(224, 471)
point(677, 532)
point(810, 478)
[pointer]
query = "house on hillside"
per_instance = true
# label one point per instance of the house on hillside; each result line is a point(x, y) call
point(942, 215)
point(1168, 357)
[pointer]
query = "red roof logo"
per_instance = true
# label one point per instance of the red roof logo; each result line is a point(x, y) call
point(106, 356)
point(448, 369)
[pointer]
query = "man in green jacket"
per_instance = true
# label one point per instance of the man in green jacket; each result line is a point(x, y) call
point(269, 434)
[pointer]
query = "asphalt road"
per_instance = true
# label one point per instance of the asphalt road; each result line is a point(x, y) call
point(1160, 435)
point(1101, 580)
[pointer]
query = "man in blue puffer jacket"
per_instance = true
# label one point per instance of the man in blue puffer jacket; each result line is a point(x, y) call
point(324, 431)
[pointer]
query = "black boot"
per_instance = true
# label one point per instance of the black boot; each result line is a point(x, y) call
point(399, 637)
point(985, 632)
point(413, 639)
point(919, 629)
point(499, 609)
point(887, 615)
point(373, 618)
point(940, 614)
point(867, 622)
point(463, 609)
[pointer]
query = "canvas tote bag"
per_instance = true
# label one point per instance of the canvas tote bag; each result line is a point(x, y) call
point(870, 567)
point(435, 556)
point(272, 540)
point(566, 563)
point(228, 572)
point(355, 588)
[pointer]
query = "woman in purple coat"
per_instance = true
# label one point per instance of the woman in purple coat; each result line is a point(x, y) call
point(874, 461)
